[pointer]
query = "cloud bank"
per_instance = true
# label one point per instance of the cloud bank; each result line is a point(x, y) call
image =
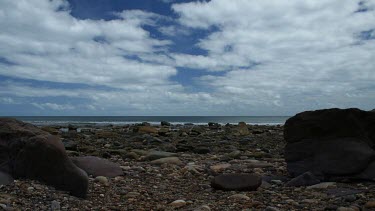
point(272, 57)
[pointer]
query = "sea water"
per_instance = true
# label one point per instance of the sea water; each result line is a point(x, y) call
point(122, 120)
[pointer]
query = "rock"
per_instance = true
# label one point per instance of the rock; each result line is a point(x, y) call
point(5, 179)
point(342, 192)
point(50, 130)
point(132, 195)
point(163, 131)
point(305, 179)
point(203, 208)
point(146, 129)
point(323, 185)
point(237, 182)
point(235, 154)
point(153, 155)
point(345, 209)
point(370, 204)
point(350, 198)
point(269, 208)
point(220, 167)
point(214, 126)
point(201, 150)
point(70, 145)
point(131, 155)
point(331, 143)
point(198, 129)
point(165, 123)
point(178, 203)
point(168, 160)
point(98, 166)
point(239, 197)
point(241, 129)
point(55, 205)
point(29, 152)
point(101, 179)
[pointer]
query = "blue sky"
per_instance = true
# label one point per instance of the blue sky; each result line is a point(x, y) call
point(177, 57)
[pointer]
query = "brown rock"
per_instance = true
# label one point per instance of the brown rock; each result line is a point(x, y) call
point(147, 129)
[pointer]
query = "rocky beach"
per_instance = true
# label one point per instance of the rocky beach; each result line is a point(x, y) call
point(192, 167)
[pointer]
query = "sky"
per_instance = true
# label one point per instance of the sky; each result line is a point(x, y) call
point(179, 57)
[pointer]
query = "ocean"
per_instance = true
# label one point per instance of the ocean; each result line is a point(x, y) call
point(122, 120)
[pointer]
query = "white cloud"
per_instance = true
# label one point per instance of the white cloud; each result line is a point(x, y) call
point(7, 100)
point(53, 106)
point(308, 53)
point(51, 45)
point(275, 57)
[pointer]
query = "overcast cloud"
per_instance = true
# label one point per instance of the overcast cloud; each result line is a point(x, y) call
point(270, 57)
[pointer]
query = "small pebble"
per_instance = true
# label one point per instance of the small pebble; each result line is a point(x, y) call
point(178, 203)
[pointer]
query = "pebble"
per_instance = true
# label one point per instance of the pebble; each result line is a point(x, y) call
point(132, 194)
point(220, 167)
point(350, 198)
point(55, 205)
point(203, 208)
point(101, 179)
point(269, 208)
point(345, 209)
point(309, 201)
point(178, 203)
point(239, 196)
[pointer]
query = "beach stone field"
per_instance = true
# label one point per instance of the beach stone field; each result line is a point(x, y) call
point(318, 160)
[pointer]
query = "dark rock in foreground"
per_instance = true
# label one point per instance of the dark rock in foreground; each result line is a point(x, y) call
point(5, 178)
point(237, 182)
point(29, 152)
point(98, 166)
point(331, 143)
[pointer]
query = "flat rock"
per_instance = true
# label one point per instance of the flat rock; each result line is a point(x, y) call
point(153, 155)
point(98, 166)
point(168, 160)
point(323, 185)
point(237, 182)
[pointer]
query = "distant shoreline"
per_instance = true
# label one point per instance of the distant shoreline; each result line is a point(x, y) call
point(153, 120)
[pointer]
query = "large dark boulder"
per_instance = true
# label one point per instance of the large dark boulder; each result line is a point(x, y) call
point(331, 143)
point(29, 152)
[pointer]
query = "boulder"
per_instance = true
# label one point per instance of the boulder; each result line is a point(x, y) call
point(237, 182)
point(29, 152)
point(331, 144)
point(97, 166)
